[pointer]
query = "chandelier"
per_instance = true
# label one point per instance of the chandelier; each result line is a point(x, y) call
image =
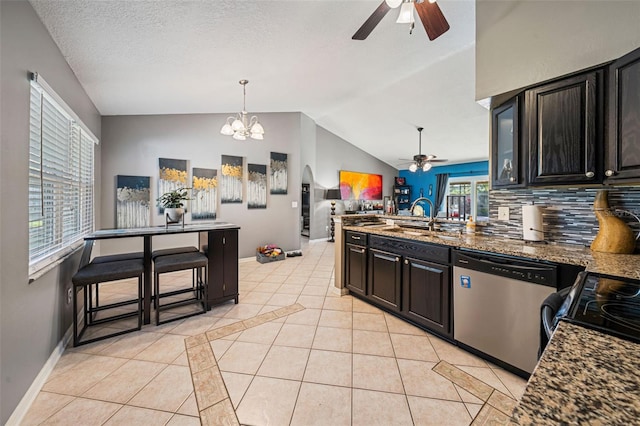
point(241, 126)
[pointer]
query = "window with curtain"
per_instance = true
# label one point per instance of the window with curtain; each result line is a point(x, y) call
point(467, 197)
point(60, 178)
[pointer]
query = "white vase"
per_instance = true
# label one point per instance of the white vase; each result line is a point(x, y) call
point(174, 214)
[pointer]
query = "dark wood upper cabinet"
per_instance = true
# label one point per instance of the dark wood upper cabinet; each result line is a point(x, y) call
point(623, 144)
point(505, 145)
point(563, 128)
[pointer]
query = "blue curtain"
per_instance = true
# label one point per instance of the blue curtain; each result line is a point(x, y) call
point(442, 179)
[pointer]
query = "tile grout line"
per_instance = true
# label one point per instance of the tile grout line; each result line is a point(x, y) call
point(220, 409)
point(475, 392)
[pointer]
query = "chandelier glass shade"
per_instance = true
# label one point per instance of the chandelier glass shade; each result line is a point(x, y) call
point(241, 126)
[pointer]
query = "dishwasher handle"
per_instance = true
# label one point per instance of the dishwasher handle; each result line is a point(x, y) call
point(509, 267)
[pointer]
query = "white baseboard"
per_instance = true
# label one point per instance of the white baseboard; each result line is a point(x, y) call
point(25, 403)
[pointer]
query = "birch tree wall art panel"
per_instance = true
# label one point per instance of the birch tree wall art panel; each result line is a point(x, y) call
point(133, 198)
point(278, 176)
point(257, 186)
point(205, 194)
point(172, 175)
point(231, 179)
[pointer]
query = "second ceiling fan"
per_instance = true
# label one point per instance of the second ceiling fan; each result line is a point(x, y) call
point(421, 161)
point(430, 14)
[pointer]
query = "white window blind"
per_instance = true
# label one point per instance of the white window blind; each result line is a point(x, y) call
point(60, 178)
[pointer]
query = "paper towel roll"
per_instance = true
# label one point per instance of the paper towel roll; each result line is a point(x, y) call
point(532, 227)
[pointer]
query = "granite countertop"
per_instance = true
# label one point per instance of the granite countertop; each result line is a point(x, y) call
point(597, 384)
point(619, 265)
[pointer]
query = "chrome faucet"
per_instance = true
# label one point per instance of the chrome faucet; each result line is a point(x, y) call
point(431, 208)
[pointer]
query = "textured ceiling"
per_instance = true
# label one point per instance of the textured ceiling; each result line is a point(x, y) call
point(175, 57)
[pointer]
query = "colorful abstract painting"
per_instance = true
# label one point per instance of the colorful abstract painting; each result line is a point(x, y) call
point(133, 196)
point(172, 175)
point(231, 179)
point(278, 177)
point(205, 194)
point(360, 186)
point(257, 186)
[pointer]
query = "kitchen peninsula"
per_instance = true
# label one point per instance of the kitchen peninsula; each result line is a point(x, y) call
point(583, 376)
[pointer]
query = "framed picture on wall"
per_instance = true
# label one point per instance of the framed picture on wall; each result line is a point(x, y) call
point(360, 186)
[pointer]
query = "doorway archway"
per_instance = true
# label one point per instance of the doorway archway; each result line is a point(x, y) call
point(306, 202)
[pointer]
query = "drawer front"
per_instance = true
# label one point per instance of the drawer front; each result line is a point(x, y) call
point(357, 238)
point(424, 251)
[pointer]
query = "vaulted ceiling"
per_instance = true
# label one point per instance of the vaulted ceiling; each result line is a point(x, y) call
point(183, 56)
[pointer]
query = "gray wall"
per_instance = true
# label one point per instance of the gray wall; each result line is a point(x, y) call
point(333, 154)
point(519, 43)
point(33, 317)
point(131, 145)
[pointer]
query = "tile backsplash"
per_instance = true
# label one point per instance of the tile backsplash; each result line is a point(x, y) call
point(567, 212)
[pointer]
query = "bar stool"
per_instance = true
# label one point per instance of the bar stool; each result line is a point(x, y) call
point(94, 274)
point(175, 250)
point(181, 261)
point(111, 258)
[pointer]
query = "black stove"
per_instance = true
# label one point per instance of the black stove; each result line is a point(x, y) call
point(605, 303)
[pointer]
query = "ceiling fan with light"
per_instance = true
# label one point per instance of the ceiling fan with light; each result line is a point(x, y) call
point(421, 161)
point(430, 14)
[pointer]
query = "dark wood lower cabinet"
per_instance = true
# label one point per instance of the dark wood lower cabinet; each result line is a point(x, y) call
point(223, 266)
point(384, 279)
point(356, 268)
point(426, 289)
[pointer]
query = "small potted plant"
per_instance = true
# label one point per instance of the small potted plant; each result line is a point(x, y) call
point(173, 203)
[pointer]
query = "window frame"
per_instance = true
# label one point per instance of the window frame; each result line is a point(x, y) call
point(473, 181)
point(61, 189)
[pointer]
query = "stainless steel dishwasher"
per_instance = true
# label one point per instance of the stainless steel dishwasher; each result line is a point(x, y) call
point(496, 305)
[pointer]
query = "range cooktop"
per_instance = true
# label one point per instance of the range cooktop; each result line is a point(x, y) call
point(604, 303)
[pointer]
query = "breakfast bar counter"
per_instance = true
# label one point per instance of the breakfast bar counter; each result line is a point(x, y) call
point(583, 377)
point(222, 241)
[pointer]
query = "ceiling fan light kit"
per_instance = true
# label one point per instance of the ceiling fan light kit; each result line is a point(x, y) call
point(241, 126)
point(421, 161)
point(406, 14)
point(434, 22)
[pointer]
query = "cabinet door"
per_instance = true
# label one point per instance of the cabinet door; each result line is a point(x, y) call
point(563, 121)
point(426, 289)
point(230, 283)
point(384, 278)
point(505, 153)
point(356, 268)
point(623, 145)
point(223, 265)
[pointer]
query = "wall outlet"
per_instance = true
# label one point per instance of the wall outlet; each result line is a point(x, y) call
point(294, 204)
point(69, 295)
point(503, 213)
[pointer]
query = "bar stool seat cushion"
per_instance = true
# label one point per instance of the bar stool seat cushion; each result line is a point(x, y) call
point(179, 262)
point(170, 251)
point(111, 271)
point(117, 257)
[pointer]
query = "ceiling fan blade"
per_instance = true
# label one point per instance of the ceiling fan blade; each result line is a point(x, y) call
point(438, 160)
point(432, 18)
point(372, 21)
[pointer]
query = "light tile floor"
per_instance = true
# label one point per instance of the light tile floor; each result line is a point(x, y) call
point(337, 361)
